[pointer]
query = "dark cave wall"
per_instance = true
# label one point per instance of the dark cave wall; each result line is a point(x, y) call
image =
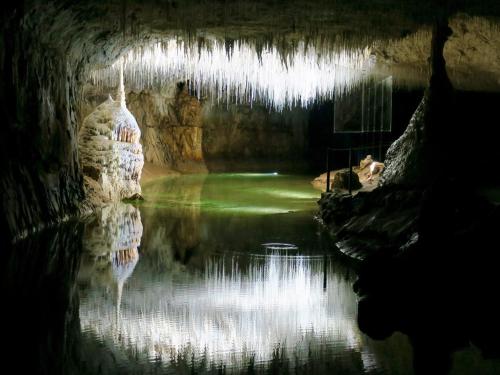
point(40, 181)
point(320, 132)
point(46, 51)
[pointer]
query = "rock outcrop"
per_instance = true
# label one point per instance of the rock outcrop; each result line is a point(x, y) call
point(110, 153)
point(341, 180)
point(396, 216)
point(417, 157)
point(365, 177)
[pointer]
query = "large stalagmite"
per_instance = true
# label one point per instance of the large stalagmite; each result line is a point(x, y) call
point(110, 153)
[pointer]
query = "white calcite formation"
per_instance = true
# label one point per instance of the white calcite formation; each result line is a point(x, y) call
point(110, 153)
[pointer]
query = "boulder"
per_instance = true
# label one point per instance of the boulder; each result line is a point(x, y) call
point(365, 162)
point(341, 180)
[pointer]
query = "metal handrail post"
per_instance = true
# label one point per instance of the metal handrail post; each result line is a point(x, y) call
point(350, 171)
point(327, 170)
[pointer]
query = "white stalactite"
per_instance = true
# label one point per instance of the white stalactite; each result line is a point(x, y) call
point(121, 86)
point(243, 76)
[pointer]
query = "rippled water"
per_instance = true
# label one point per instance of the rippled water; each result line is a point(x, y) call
point(223, 273)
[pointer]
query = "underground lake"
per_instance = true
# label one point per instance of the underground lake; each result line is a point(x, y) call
point(220, 273)
point(232, 274)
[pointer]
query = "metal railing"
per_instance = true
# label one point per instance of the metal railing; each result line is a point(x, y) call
point(350, 150)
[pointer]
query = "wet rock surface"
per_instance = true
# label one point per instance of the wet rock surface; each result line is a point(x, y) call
point(365, 177)
point(172, 127)
point(371, 222)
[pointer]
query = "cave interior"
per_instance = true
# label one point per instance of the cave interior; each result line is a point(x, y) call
point(126, 123)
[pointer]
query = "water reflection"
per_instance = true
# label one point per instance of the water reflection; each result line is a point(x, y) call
point(213, 290)
point(186, 288)
point(171, 217)
point(110, 248)
point(41, 330)
point(227, 314)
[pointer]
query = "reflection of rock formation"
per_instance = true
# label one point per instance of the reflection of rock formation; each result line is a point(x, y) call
point(110, 247)
point(178, 237)
point(113, 228)
point(110, 152)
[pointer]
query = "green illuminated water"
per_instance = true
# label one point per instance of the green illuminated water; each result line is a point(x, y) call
point(238, 212)
point(243, 194)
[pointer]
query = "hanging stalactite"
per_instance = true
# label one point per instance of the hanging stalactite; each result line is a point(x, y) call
point(238, 72)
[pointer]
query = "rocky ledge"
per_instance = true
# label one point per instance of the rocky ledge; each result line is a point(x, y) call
point(392, 220)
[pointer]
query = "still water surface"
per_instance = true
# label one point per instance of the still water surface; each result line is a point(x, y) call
point(223, 273)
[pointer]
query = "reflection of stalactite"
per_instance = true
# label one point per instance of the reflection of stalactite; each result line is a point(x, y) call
point(231, 310)
point(123, 264)
point(124, 257)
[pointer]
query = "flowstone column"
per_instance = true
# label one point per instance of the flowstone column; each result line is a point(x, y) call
point(110, 153)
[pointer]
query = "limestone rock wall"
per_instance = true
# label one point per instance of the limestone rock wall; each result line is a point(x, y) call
point(254, 138)
point(404, 163)
point(40, 181)
point(171, 122)
point(182, 133)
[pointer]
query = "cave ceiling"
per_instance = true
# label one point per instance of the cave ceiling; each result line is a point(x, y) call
point(95, 33)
